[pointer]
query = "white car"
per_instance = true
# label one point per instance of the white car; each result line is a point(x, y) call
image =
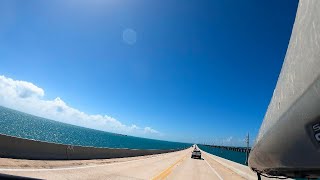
point(196, 154)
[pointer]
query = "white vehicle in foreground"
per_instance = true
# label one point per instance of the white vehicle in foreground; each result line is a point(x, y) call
point(196, 154)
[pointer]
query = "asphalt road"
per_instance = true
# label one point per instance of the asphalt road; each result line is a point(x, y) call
point(176, 165)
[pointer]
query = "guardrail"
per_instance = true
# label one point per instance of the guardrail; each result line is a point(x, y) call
point(20, 148)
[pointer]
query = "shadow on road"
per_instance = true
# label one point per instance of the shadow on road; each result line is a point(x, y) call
point(7, 176)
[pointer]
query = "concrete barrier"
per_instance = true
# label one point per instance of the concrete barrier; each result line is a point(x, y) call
point(241, 170)
point(20, 148)
point(288, 142)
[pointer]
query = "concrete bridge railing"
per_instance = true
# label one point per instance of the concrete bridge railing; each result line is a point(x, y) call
point(14, 147)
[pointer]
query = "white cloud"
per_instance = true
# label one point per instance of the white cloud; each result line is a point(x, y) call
point(229, 139)
point(223, 141)
point(21, 89)
point(150, 130)
point(27, 97)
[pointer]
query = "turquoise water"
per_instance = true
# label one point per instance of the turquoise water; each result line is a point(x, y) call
point(24, 125)
point(239, 157)
point(15, 123)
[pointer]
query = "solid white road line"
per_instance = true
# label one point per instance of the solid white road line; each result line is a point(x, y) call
point(214, 170)
point(236, 170)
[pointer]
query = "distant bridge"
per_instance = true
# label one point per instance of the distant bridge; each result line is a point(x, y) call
point(230, 148)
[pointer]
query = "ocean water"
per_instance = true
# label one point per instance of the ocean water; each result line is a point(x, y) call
point(19, 124)
point(239, 157)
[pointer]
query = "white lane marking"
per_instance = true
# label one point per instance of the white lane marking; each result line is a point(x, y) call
point(74, 168)
point(238, 171)
point(214, 170)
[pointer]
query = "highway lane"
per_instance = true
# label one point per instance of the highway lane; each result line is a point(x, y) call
point(204, 168)
point(144, 167)
point(176, 165)
point(194, 169)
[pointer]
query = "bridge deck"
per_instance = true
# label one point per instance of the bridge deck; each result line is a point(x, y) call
point(175, 165)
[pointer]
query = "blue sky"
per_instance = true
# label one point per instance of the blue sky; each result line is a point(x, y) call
point(194, 71)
